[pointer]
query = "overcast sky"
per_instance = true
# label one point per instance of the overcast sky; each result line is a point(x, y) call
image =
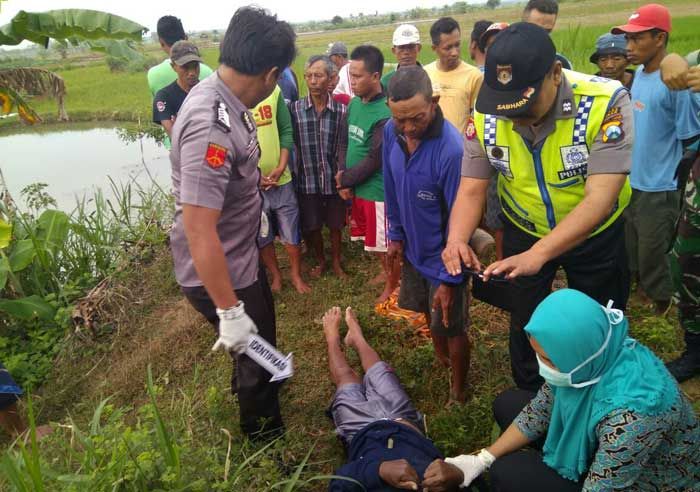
point(212, 14)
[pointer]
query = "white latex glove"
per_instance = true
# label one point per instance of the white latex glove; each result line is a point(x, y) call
point(472, 465)
point(235, 326)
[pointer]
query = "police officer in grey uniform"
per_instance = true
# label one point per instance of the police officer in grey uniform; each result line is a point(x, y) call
point(215, 176)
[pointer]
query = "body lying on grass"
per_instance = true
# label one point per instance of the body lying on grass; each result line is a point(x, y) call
point(374, 417)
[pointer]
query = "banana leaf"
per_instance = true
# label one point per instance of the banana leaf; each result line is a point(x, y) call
point(60, 25)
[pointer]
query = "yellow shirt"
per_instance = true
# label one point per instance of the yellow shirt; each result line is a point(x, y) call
point(457, 89)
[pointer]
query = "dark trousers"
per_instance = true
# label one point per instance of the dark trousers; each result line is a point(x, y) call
point(524, 469)
point(258, 398)
point(597, 267)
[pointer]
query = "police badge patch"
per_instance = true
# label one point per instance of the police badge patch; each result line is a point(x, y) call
point(575, 160)
point(504, 73)
point(499, 157)
point(248, 121)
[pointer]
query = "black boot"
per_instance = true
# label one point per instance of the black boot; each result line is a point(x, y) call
point(688, 364)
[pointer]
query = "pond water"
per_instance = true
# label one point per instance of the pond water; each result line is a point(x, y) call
point(74, 160)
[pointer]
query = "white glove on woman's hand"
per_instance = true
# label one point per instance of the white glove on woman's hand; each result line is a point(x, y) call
point(472, 465)
point(235, 326)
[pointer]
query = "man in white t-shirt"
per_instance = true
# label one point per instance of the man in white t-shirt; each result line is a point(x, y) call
point(338, 53)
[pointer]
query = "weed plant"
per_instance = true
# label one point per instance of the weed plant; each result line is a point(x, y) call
point(54, 258)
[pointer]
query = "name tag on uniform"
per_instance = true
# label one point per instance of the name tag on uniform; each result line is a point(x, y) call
point(575, 161)
point(499, 157)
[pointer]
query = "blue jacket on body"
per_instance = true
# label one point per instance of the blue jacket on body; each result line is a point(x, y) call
point(383, 440)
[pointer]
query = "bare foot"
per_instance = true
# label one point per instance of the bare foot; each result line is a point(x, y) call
point(276, 284)
point(354, 328)
point(317, 271)
point(456, 398)
point(386, 293)
point(331, 324)
point(338, 270)
point(42, 431)
point(379, 279)
point(301, 286)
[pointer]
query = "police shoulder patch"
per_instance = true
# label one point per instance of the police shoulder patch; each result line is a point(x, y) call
point(216, 155)
point(470, 132)
point(612, 131)
point(613, 114)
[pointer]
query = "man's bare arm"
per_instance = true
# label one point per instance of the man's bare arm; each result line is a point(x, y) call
point(602, 191)
point(168, 126)
point(208, 254)
point(464, 219)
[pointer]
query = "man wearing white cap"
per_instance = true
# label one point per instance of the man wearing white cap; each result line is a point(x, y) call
point(406, 41)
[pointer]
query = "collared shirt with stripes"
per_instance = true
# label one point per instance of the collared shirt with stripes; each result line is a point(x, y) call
point(321, 141)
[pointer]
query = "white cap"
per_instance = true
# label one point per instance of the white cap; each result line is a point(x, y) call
point(406, 34)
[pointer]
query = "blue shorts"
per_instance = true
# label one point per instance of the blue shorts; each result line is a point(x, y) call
point(9, 390)
point(380, 396)
point(280, 206)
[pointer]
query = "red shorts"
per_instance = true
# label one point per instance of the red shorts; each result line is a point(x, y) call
point(368, 223)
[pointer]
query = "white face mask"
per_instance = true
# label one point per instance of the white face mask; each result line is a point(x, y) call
point(565, 379)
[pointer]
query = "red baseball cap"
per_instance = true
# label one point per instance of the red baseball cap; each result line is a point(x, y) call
point(646, 18)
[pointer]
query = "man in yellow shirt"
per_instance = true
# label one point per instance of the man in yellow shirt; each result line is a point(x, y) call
point(455, 81)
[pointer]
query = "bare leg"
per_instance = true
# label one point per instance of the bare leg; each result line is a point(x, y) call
point(336, 242)
point(315, 241)
point(380, 278)
point(458, 348)
point(341, 372)
point(442, 352)
point(392, 270)
point(11, 422)
point(269, 259)
point(294, 252)
point(356, 340)
point(439, 344)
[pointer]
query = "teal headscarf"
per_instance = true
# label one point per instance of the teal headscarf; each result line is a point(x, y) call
point(571, 327)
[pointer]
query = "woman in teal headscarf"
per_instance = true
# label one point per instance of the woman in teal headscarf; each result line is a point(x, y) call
point(613, 417)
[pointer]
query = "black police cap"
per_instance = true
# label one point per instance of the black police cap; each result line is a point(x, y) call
point(516, 64)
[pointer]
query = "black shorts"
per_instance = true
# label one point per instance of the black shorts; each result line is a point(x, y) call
point(318, 210)
point(417, 293)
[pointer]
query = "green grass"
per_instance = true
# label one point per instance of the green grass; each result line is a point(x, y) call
point(146, 322)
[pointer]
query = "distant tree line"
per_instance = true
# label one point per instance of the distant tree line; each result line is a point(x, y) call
point(373, 19)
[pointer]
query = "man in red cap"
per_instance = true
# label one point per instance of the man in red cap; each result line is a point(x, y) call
point(664, 122)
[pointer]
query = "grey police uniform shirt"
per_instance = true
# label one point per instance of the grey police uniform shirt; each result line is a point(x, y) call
point(604, 158)
point(214, 160)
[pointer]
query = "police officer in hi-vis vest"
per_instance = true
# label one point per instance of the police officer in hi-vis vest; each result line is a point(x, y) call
point(561, 142)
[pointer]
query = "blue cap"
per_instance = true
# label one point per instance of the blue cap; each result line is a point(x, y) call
point(609, 44)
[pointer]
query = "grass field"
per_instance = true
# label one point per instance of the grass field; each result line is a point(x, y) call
point(93, 91)
point(146, 322)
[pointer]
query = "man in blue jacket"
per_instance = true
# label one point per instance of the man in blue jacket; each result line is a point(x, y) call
point(374, 417)
point(422, 156)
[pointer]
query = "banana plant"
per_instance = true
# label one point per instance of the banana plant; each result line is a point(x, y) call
point(100, 30)
point(38, 248)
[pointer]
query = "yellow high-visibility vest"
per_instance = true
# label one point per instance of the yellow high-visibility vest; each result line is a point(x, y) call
point(539, 185)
